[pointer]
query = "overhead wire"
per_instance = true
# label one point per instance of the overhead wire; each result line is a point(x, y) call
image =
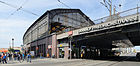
point(8, 4)
point(63, 4)
point(18, 8)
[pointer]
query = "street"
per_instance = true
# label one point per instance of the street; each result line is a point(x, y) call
point(115, 61)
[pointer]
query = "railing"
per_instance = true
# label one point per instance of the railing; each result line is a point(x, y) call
point(118, 15)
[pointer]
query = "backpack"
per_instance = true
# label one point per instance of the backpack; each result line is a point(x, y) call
point(29, 56)
point(4, 57)
point(23, 55)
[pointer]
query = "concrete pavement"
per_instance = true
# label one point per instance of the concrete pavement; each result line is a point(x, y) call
point(123, 61)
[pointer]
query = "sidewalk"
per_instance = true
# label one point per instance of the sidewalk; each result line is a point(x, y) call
point(128, 54)
point(59, 62)
point(44, 60)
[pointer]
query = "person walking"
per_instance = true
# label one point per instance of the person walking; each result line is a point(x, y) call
point(23, 57)
point(19, 57)
point(10, 56)
point(29, 58)
point(4, 59)
point(0, 58)
point(15, 56)
point(7, 55)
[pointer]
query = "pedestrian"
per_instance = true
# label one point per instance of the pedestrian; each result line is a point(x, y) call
point(19, 57)
point(23, 57)
point(15, 56)
point(10, 56)
point(74, 55)
point(41, 55)
point(29, 58)
point(0, 58)
point(82, 54)
point(4, 59)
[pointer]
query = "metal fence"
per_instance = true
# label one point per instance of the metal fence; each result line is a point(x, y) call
point(118, 15)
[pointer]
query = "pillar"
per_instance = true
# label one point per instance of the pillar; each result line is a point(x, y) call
point(54, 45)
point(66, 55)
point(57, 52)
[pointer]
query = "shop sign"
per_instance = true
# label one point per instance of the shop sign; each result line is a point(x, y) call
point(63, 45)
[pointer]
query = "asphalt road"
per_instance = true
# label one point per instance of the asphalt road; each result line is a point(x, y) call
point(117, 61)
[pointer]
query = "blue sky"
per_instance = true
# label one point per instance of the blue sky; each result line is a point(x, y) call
point(14, 26)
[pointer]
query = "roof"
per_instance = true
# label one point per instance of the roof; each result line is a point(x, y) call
point(58, 10)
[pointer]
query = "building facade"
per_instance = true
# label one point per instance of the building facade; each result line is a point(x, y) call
point(41, 36)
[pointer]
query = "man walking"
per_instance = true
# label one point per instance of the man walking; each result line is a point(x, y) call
point(23, 57)
point(4, 59)
point(19, 57)
point(0, 58)
point(29, 58)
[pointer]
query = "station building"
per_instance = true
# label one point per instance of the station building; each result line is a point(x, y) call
point(65, 33)
point(42, 36)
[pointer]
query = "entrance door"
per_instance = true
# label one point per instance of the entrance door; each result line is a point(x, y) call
point(61, 52)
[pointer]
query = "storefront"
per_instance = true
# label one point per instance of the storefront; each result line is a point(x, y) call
point(63, 50)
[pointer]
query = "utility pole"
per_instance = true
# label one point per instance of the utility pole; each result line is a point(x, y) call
point(108, 5)
point(114, 9)
point(137, 9)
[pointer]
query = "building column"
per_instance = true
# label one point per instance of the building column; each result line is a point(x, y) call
point(57, 52)
point(66, 55)
point(54, 45)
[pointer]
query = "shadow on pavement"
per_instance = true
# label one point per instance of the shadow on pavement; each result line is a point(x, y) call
point(119, 59)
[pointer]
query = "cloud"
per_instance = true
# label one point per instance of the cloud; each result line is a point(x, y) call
point(12, 28)
point(13, 23)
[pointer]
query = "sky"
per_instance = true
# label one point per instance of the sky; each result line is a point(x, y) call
point(14, 22)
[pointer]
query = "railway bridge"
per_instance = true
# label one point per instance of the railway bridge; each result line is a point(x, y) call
point(120, 30)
